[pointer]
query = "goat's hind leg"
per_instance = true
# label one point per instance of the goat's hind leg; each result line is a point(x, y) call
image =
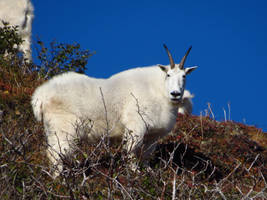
point(60, 134)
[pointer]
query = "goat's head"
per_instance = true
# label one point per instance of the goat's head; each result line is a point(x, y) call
point(176, 77)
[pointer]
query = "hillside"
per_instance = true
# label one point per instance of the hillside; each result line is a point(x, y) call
point(206, 159)
point(201, 159)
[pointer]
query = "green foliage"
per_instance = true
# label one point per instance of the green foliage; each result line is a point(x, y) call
point(9, 40)
point(61, 58)
point(52, 60)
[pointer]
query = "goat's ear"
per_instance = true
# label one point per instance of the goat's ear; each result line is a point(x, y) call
point(163, 68)
point(188, 70)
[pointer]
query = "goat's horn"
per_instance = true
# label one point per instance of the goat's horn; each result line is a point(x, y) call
point(181, 66)
point(170, 57)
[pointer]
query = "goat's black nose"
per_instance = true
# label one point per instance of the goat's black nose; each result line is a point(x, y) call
point(175, 93)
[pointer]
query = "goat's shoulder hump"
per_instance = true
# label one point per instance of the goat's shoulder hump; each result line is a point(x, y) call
point(137, 73)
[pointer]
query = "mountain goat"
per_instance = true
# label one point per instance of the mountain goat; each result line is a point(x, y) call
point(186, 105)
point(19, 13)
point(137, 105)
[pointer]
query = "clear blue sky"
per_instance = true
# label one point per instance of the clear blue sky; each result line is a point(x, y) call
point(229, 40)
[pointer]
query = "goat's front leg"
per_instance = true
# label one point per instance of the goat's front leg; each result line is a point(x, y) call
point(133, 139)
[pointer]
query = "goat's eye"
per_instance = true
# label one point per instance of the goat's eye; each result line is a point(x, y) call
point(168, 75)
point(183, 76)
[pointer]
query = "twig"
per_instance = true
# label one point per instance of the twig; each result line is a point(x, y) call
point(253, 163)
point(139, 111)
point(213, 117)
point(105, 108)
point(114, 179)
point(201, 126)
point(225, 118)
point(229, 111)
point(174, 184)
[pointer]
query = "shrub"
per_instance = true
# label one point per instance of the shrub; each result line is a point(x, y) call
point(9, 40)
point(61, 58)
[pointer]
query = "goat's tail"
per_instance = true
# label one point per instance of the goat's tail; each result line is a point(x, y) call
point(37, 106)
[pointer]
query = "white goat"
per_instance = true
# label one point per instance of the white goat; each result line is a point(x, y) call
point(19, 13)
point(138, 105)
point(186, 106)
